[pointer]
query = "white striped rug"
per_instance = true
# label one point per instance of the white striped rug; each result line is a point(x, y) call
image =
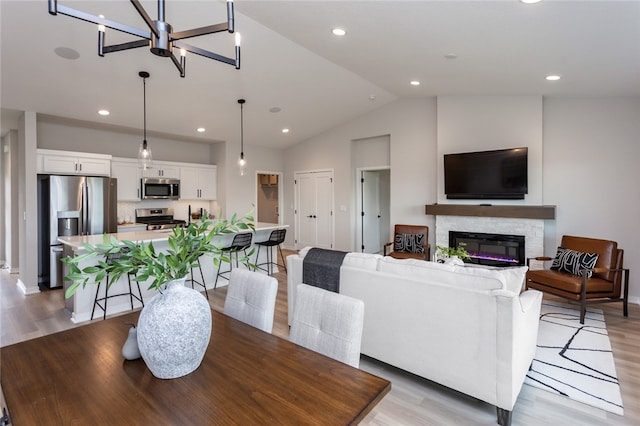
point(575, 360)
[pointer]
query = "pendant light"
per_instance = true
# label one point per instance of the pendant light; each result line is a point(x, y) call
point(144, 152)
point(242, 162)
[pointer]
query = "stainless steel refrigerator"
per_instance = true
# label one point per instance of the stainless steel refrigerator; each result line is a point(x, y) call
point(67, 206)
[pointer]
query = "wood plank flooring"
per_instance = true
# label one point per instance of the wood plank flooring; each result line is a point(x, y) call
point(412, 400)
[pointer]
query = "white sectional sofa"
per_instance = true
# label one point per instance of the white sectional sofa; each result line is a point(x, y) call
point(468, 328)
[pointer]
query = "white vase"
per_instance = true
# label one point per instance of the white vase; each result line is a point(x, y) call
point(174, 329)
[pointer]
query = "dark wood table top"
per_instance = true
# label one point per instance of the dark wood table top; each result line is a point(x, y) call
point(247, 377)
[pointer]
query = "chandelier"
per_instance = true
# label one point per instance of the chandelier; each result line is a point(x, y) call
point(160, 37)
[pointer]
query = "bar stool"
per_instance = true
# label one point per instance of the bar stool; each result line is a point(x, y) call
point(275, 239)
point(194, 281)
point(101, 302)
point(240, 241)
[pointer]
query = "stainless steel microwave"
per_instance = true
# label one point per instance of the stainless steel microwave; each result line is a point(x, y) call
point(160, 189)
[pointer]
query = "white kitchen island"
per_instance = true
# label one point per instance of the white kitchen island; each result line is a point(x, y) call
point(79, 306)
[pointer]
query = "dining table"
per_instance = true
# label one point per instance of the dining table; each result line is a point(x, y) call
point(247, 377)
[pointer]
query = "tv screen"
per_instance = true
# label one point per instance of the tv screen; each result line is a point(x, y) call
point(499, 175)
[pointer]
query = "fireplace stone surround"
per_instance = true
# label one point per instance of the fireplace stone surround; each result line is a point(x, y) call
point(531, 229)
point(525, 220)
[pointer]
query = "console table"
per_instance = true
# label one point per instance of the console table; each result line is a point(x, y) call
point(78, 376)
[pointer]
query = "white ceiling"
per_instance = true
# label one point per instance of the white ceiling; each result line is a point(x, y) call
point(290, 60)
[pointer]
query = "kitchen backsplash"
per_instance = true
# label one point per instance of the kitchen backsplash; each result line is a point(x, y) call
point(127, 210)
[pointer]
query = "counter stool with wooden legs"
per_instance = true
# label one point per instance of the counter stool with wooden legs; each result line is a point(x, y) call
point(101, 302)
point(240, 241)
point(275, 240)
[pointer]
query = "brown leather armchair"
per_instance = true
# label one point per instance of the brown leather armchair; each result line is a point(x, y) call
point(409, 242)
point(604, 285)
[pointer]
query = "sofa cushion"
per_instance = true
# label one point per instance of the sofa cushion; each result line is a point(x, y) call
point(574, 262)
point(476, 278)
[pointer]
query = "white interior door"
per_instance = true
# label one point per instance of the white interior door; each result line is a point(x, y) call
point(314, 209)
point(371, 212)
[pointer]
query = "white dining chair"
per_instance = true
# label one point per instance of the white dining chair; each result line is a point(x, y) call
point(251, 298)
point(328, 323)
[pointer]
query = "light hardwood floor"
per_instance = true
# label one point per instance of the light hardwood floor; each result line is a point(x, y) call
point(412, 400)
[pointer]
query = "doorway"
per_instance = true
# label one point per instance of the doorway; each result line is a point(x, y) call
point(314, 209)
point(373, 209)
point(268, 197)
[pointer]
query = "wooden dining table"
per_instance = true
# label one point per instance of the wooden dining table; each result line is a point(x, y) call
point(247, 377)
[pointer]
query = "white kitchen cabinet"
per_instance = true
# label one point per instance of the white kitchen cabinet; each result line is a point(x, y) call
point(198, 182)
point(163, 170)
point(128, 173)
point(73, 163)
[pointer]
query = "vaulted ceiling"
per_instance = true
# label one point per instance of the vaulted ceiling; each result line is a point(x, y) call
point(293, 64)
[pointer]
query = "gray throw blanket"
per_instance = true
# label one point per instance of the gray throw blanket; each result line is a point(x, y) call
point(321, 268)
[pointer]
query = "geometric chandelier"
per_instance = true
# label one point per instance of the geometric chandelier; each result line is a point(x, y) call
point(160, 38)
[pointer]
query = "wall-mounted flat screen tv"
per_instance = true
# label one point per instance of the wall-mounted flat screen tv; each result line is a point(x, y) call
point(486, 175)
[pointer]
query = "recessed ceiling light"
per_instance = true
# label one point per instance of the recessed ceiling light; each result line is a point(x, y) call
point(529, 1)
point(415, 83)
point(338, 32)
point(552, 77)
point(201, 129)
point(275, 109)
point(285, 130)
point(103, 112)
point(450, 56)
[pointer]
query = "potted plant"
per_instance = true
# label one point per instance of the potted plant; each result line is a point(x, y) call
point(174, 327)
point(448, 254)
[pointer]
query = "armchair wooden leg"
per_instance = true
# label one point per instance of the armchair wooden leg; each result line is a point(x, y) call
point(504, 417)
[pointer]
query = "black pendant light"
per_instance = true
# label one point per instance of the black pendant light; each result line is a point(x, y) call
point(242, 162)
point(144, 152)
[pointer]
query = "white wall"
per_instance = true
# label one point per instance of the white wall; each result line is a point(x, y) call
point(411, 126)
point(591, 172)
point(241, 190)
point(478, 123)
point(27, 204)
point(74, 135)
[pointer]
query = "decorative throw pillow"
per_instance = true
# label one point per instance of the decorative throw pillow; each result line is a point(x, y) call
point(409, 243)
point(574, 262)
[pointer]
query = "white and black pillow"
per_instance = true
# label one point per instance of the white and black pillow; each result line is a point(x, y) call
point(574, 262)
point(409, 243)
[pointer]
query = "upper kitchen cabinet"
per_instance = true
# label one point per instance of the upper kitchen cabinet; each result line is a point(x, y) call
point(128, 173)
point(162, 169)
point(198, 182)
point(73, 163)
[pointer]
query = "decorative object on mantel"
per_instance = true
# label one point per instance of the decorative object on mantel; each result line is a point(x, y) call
point(160, 37)
point(451, 255)
point(177, 312)
point(242, 162)
point(144, 152)
point(130, 349)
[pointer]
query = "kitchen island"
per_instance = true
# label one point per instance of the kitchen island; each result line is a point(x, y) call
point(80, 305)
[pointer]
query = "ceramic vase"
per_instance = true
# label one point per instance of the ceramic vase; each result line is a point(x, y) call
point(174, 329)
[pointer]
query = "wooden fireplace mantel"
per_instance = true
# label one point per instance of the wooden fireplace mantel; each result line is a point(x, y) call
point(521, 212)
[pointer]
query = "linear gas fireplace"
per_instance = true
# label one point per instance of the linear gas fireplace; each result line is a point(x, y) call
point(491, 249)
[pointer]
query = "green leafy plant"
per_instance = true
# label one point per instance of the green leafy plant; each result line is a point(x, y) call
point(460, 252)
point(141, 259)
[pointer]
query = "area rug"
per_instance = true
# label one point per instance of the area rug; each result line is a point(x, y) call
point(575, 360)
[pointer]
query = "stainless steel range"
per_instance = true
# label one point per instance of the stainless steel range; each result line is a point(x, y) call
point(158, 219)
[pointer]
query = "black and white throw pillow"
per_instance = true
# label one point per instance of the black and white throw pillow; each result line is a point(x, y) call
point(574, 262)
point(410, 243)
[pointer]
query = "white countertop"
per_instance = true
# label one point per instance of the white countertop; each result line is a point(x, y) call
point(78, 241)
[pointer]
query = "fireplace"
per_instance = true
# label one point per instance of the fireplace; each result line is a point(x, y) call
point(491, 249)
